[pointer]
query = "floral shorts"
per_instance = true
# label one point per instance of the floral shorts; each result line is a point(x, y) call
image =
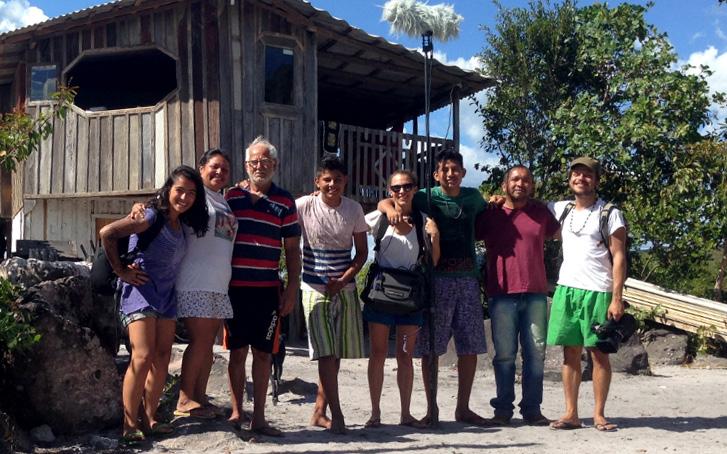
point(203, 304)
point(458, 313)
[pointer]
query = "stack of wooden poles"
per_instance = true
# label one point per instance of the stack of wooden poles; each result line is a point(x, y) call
point(685, 312)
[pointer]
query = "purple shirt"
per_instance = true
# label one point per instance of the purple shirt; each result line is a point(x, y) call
point(514, 241)
point(161, 261)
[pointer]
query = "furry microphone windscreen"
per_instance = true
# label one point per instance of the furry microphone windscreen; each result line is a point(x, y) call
point(415, 18)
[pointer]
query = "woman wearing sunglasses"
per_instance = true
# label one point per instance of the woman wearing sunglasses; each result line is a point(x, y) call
point(398, 248)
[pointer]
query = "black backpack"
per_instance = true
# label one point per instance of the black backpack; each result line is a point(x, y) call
point(103, 279)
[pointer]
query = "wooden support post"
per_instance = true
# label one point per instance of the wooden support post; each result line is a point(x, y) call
point(455, 118)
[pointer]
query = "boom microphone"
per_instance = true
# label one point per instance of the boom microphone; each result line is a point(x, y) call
point(415, 19)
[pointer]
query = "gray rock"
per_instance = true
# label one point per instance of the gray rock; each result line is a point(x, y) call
point(100, 442)
point(67, 380)
point(666, 347)
point(42, 434)
point(27, 273)
point(631, 358)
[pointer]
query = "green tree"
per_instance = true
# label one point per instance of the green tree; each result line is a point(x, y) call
point(21, 134)
point(603, 83)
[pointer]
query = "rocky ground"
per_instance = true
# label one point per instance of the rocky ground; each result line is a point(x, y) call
point(675, 409)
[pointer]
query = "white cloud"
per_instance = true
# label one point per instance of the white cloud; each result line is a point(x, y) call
point(696, 36)
point(718, 31)
point(717, 63)
point(19, 13)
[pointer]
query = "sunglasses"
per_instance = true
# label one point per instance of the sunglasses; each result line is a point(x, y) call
point(398, 187)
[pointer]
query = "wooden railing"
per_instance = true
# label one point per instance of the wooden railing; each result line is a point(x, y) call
point(372, 154)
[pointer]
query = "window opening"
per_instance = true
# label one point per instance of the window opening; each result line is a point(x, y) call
point(43, 82)
point(279, 75)
point(122, 80)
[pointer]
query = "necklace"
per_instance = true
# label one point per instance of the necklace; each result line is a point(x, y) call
point(573, 214)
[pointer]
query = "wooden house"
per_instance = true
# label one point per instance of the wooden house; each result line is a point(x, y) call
point(161, 81)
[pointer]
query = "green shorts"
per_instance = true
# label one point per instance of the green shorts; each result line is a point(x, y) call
point(573, 313)
point(335, 327)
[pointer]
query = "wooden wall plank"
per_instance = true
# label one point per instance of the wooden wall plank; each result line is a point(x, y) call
point(94, 154)
point(87, 39)
point(99, 37)
point(58, 51)
point(72, 46)
point(122, 29)
point(121, 152)
point(212, 79)
point(112, 34)
point(160, 146)
point(170, 24)
point(30, 166)
point(106, 155)
point(225, 77)
point(83, 158)
point(159, 30)
point(135, 162)
point(174, 133)
point(250, 121)
point(186, 133)
point(197, 81)
point(58, 156)
point(145, 29)
point(308, 150)
point(69, 174)
point(147, 151)
point(133, 25)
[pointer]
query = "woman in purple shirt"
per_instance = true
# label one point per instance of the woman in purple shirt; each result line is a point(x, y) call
point(148, 303)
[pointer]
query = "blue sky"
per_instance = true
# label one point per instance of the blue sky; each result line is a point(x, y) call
point(697, 29)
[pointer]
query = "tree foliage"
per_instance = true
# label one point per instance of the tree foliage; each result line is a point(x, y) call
point(602, 82)
point(21, 134)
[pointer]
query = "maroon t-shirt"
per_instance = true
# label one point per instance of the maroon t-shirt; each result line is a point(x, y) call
point(514, 241)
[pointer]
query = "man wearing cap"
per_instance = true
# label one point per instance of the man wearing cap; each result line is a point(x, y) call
point(590, 285)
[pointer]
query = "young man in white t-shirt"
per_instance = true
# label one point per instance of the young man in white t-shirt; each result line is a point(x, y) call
point(590, 286)
point(331, 224)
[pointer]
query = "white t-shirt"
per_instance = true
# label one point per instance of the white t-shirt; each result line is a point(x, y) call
point(207, 265)
point(327, 238)
point(586, 264)
point(395, 250)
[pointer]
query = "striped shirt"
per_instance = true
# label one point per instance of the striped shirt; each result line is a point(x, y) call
point(261, 227)
point(328, 238)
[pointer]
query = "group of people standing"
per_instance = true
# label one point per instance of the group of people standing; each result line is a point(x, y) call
point(216, 259)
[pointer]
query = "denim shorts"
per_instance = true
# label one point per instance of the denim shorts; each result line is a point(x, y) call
point(371, 315)
point(148, 312)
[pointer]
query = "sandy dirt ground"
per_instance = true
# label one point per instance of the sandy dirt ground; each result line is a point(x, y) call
point(678, 409)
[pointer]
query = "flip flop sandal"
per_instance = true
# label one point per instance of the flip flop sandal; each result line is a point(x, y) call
point(565, 425)
point(373, 423)
point(606, 427)
point(268, 431)
point(132, 438)
point(161, 428)
point(197, 413)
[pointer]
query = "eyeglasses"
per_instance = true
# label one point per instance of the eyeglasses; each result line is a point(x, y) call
point(398, 187)
point(260, 162)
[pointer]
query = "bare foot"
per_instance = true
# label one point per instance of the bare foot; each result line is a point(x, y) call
point(338, 426)
point(469, 417)
point(318, 420)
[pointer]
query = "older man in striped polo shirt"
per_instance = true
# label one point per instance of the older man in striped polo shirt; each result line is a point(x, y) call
point(267, 221)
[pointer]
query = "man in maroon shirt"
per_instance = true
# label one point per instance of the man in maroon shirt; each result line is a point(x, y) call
point(514, 234)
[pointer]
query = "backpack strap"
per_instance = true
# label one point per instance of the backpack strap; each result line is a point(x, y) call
point(568, 207)
point(380, 231)
point(422, 237)
point(603, 227)
point(148, 235)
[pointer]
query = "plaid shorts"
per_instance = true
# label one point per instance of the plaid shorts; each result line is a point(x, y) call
point(457, 312)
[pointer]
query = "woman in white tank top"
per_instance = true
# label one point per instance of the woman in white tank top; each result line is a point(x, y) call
point(399, 248)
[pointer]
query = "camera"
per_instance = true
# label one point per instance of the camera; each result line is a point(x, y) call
point(611, 334)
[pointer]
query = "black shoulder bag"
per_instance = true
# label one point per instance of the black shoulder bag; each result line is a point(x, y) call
point(102, 277)
point(397, 291)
